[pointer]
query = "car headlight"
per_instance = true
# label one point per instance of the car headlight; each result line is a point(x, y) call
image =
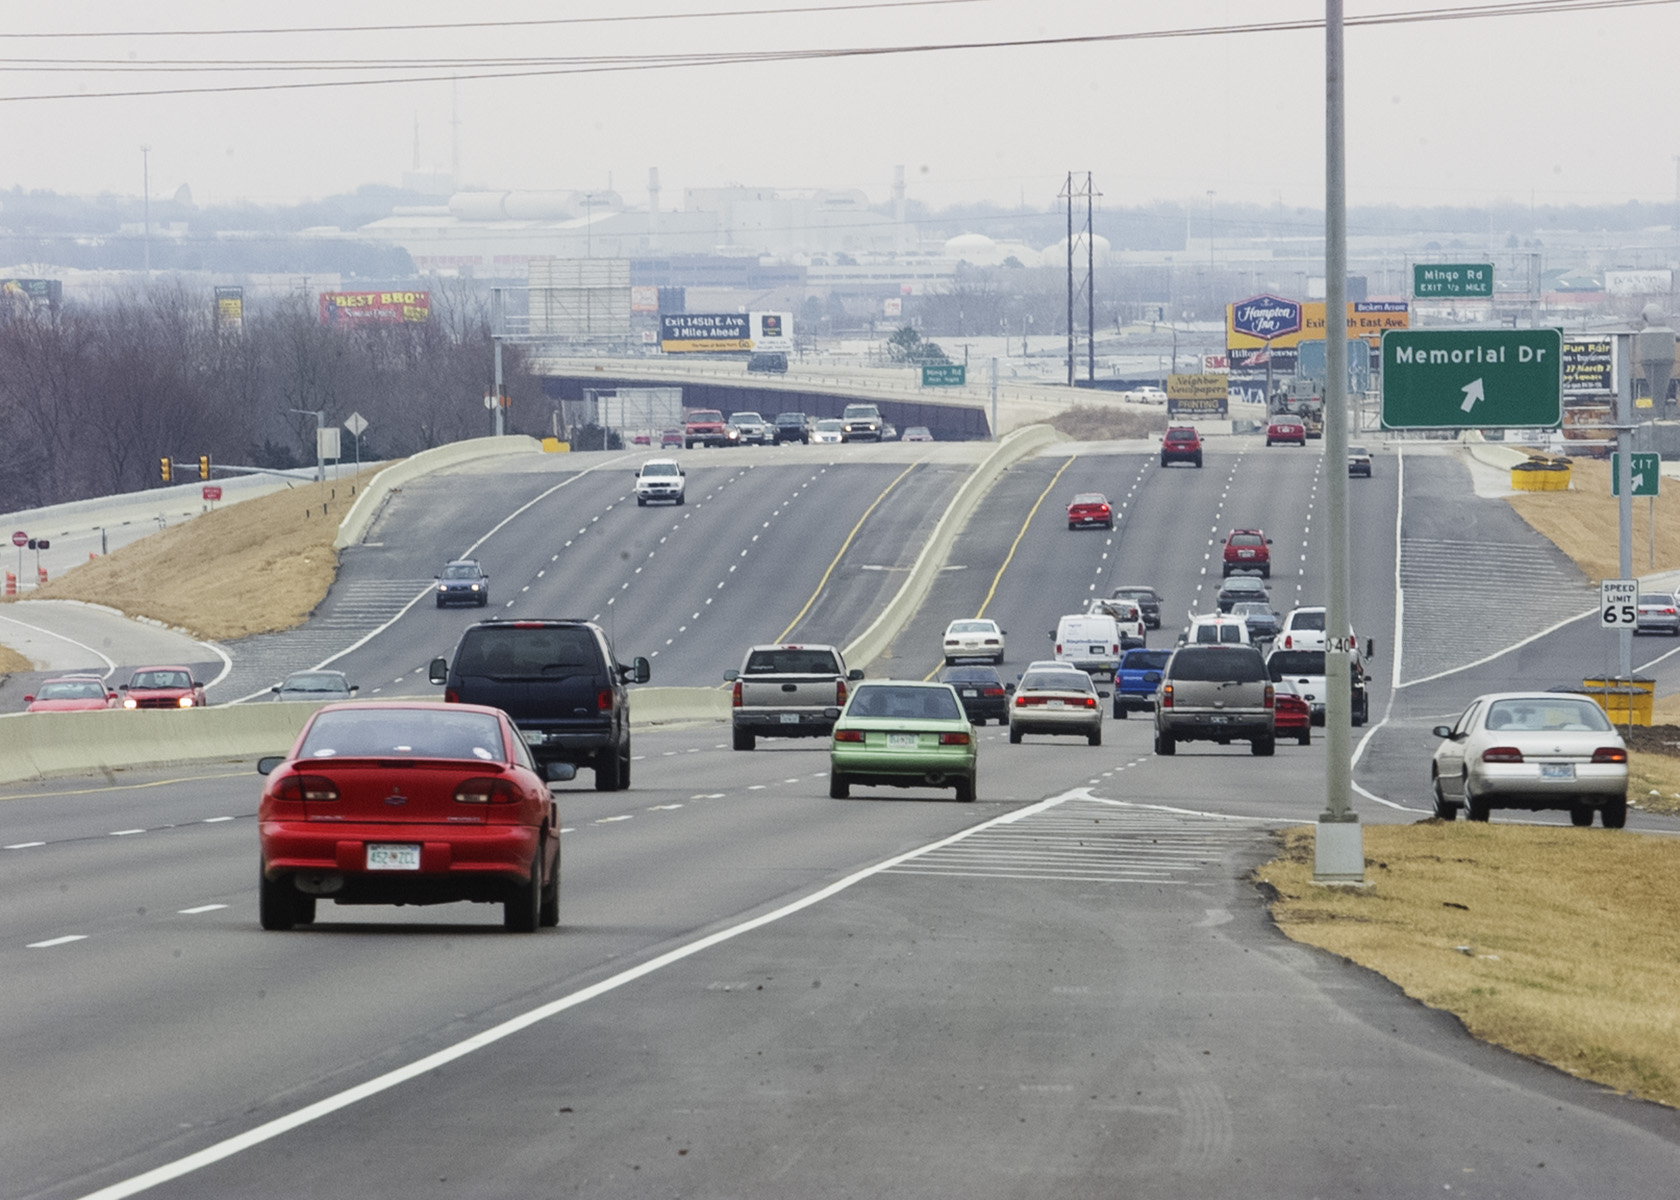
point(130, 702)
point(185, 702)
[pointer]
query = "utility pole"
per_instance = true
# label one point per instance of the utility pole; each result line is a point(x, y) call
point(1089, 192)
point(146, 206)
point(320, 415)
point(1068, 192)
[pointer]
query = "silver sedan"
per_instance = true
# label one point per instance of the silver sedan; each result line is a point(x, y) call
point(1056, 702)
point(1532, 750)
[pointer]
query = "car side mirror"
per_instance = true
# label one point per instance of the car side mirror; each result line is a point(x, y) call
point(1104, 695)
point(640, 671)
point(1370, 647)
point(559, 772)
point(29, 699)
point(438, 672)
point(1268, 541)
point(1442, 731)
point(275, 689)
point(731, 675)
point(266, 764)
point(1009, 689)
point(855, 673)
point(354, 688)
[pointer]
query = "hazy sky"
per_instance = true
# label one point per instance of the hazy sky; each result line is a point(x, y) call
point(1561, 108)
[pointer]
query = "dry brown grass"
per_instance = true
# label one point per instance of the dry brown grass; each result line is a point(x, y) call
point(1583, 521)
point(1558, 943)
point(1098, 422)
point(11, 661)
point(258, 566)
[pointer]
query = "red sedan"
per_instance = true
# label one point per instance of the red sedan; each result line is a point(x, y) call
point(163, 687)
point(72, 694)
point(409, 803)
point(1286, 430)
point(1292, 715)
point(1090, 508)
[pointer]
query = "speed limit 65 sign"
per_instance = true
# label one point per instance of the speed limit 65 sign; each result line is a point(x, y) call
point(1618, 603)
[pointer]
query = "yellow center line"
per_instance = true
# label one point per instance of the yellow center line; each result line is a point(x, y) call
point(841, 553)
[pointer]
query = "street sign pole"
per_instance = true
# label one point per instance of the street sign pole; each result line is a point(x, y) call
point(1624, 480)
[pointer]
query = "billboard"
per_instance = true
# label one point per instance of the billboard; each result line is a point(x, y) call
point(771, 330)
point(1203, 395)
point(1656, 282)
point(1589, 365)
point(1263, 318)
point(230, 307)
point(644, 298)
point(33, 293)
point(681, 333)
point(375, 308)
point(1367, 319)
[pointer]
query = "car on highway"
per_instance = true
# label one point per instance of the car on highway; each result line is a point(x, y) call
point(1144, 395)
point(1284, 430)
point(974, 637)
point(1216, 629)
point(1089, 509)
point(906, 734)
point(1181, 443)
point(1303, 628)
point(981, 690)
point(70, 694)
point(671, 439)
point(861, 423)
point(661, 479)
point(1239, 588)
point(462, 582)
point(706, 427)
point(1262, 619)
point(1534, 751)
point(1659, 612)
point(315, 685)
point(1359, 461)
point(1092, 642)
point(917, 433)
point(1136, 679)
point(826, 432)
point(560, 681)
point(1146, 598)
point(1247, 550)
point(162, 687)
point(752, 429)
point(1056, 702)
point(408, 802)
point(1304, 671)
point(1217, 694)
point(792, 427)
point(1292, 714)
point(1134, 630)
point(772, 362)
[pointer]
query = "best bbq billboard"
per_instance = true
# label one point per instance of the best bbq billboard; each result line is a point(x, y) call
point(374, 308)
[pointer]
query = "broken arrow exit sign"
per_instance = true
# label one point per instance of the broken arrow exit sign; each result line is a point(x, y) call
point(1472, 378)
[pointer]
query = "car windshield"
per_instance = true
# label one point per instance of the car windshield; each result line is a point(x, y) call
point(790, 418)
point(1536, 715)
point(162, 679)
point(705, 414)
point(71, 691)
point(461, 571)
point(659, 468)
point(855, 411)
point(1358, 451)
point(1295, 662)
point(973, 627)
point(1307, 620)
point(969, 675)
point(792, 662)
point(909, 703)
point(1056, 681)
point(1235, 664)
point(405, 732)
point(540, 653)
point(315, 682)
point(831, 425)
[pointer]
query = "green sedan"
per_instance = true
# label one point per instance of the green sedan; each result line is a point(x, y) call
point(903, 734)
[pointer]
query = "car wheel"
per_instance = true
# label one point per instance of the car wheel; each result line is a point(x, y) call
point(1476, 808)
point(1165, 743)
point(1072, 526)
point(624, 765)
point(1361, 712)
point(1163, 462)
point(1094, 738)
point(1014, 736)
point(1226, 571)
point(1268, 443)
point(1263, 747)
point(522, 910)
point(276, 901)
point(1119, 713)
point(1109, 525)
point(606, 770)
point(1580, 815)
point(838, 788)
point(745, 739)
point(440, 601)
point(1614, 812)
point(1305, 736)
point(1265, 573)
point(966, 788)
point(1197, 462)
point(682, 499)
point(1446, 810)
point(484, 599)
point(641, 501)
point(549, 917)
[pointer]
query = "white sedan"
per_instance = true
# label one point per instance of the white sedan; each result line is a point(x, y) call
point(1532, 750)
point(1144, 395)
point(978, 638)
point(827, 431)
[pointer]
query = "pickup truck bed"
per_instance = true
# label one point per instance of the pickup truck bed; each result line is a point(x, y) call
point(787, 691)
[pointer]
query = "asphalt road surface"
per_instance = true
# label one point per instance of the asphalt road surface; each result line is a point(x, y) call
point(1069, 987)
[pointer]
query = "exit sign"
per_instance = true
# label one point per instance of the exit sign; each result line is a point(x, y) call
point(1646, 471)
point(1445, 280)
point(1472, 379)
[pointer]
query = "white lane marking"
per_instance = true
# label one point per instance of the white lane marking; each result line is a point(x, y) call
point(109, 665)
point(125, 832)
point(610, 820)
point(22, 846)
point(57, 941)
point(202, 908)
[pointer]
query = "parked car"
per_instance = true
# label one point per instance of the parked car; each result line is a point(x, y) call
point(1247, 550)
point(1292, 714)
point(1241, 588)
point(1359, 461)
point(1261, 618)
point(315, 685)
point(1056, 702)
point(462, 582)
point(71, 694)
point(917, 433)
point(660, 479)
point(1659, 612)
point(1531, 750)
point(162, 687)
point(1217, 694)
point(981, 690)
point(792, 427)
point(1181, 443)
point(1283, 429)
point(560, 682)
point(408, 803)
point(895, 733)
point(827, 432)
point(978, 637)
point(1089, 508)
point(1146, 598)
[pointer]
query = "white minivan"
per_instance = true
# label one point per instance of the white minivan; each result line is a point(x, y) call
point(1089, 641)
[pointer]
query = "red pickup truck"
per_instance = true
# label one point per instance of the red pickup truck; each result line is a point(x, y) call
point(706, 427)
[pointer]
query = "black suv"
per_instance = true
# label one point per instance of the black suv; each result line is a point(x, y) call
point(793, 427)
point(560, 682)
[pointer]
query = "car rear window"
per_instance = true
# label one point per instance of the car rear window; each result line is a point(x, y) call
point(910, 703)
point(1181, 435)
point(1225, 632)
point(1307, 620)
point(1562, 715)
point(1295, 662)
point(1237, 664)
point(1247, 539)
point(406, 733)
point(791, 662)
point(546, 652)
point(1055, 681)
point(970, 675)
point(1146, 660)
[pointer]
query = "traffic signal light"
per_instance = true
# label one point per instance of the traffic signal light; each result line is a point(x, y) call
point(204, 466)
point(164, 464)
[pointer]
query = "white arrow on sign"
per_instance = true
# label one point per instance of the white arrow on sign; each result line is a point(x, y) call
point(1472, 393)
point(1638, 483)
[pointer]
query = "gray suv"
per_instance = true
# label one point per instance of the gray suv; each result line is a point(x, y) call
point(1215, 693)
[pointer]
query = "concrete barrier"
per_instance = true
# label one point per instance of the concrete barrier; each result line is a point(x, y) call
point(361, 514)
point(1022, 443)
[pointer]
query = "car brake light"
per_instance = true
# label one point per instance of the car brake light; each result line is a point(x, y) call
point(953, 739)
point(485, 791)
point(1288, 641)
point(1271, 696)
point(1020, 701)
point(1090, 702)
point(991, 691)
point(839, 693)
point(1609, 754)
point(604, 700)
point(451, 696)
point(1166, 696)
point(848, 735)
point(1502, 754)
point(298, 788)
point(735, 695)
point(1058, 647)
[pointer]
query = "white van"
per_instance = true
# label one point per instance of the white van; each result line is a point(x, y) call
point(1217, 629)
point(1089, 641)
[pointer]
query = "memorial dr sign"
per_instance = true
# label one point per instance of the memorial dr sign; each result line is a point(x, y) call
point(1472, 379)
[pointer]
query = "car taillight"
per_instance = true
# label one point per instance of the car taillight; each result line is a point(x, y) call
point(1090, 702)
point(1114, 650)
point(298, 788)
point(1271, 696)
point(735, 695)
point(953, 739)
point(848, 735)
point(1609, 754)
point(1289, 641)
point(950, 641)
point(1166, 695)
point(451, 696)
point(1502, 754)
point(1020, 701)
point(604, 700)
point(1058, 647)
point(991, 691)
point(840, 693)
point(485, 791)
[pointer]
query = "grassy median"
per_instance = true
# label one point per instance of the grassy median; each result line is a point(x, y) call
point(1558, 943)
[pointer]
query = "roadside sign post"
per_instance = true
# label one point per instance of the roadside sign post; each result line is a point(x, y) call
point(1472, 379)
point(20, 539)
point(1618, 603)
point(356, 424)
point(1646, 470)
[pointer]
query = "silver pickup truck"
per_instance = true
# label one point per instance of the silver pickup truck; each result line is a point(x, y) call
point(1215, 693)
point(787, 691)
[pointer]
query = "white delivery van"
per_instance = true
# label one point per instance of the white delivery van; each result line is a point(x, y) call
point(1217, 629)
point(1089, 641)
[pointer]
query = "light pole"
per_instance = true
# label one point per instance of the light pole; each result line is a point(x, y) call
point(1210, 235)
point(146, 206)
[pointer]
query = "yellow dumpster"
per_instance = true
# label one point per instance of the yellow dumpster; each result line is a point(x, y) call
point(1625, 701)
point(555, 446)
point(1541, 474)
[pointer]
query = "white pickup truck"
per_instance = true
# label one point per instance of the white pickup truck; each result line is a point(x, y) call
point(787, 691)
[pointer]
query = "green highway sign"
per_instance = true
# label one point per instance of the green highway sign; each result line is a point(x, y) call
point(1647, 470)
point(944, 374)
point(1472, 378)
point(1430, 280)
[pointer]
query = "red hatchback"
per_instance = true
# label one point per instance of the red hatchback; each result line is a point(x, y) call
point(1090, 508)
point(409, 803)
point(1181, 443)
